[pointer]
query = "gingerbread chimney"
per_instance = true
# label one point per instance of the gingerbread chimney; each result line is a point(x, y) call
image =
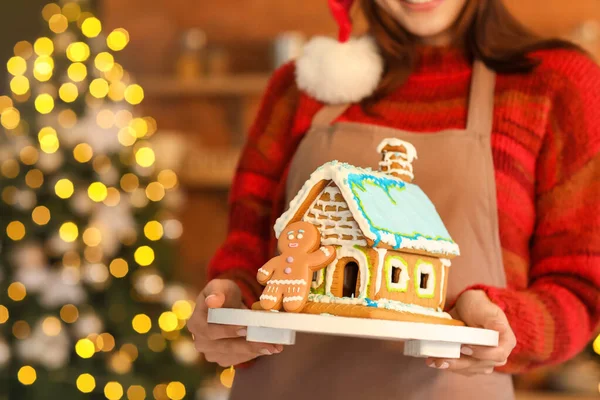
point(397, 157)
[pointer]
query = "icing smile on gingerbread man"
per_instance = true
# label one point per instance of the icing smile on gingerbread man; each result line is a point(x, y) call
point(287, 277)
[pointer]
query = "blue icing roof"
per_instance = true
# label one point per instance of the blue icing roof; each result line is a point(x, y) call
point(394, 208)
point(386, 209)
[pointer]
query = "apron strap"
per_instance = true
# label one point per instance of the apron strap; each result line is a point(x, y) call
point(481, 100)
point(329, 113)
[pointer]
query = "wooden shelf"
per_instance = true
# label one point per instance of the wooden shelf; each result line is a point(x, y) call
point(552, 396)
point(234, 85)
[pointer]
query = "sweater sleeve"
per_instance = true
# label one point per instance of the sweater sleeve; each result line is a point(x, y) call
point(557, 314)
point(253, 192)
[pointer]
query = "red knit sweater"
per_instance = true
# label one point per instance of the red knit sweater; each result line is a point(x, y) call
point(546, 147)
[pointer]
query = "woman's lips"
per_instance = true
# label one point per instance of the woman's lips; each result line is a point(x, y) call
point(421, 5)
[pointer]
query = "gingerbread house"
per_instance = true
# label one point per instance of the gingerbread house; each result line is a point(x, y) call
point(393, 250)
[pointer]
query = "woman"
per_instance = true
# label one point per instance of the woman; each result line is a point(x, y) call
point(483, 101)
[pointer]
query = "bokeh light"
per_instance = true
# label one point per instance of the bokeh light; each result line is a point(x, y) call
point(41, 215)
point(183, 309)
point(168, 321)
point(104, 62)
point(157, 343)
point(16, 291)
point(51, 326)
point(134, 94)
point(49, 144)
point(99, 88)
point(97, 191)
point(145, 157)
point(34, 178)
point(58, 23)
point(105, 119)
point(113, 197)
point(131, 351)
point(119, 268)
point(86, 383)
point(44, 103)
point(16, 65)
point(27, 375)
point(113, 391)
point(144, 256)
point(118, 39)
point(168, 179)
point(120, 363)
point(43, 68)
point(69, 313)
point(21, 330)
point(29, 155)
point(136, 392)
point(67, 118)
point(19, 85)
point(15, 230)
point(72, 11)
point(91, 27)
point(141, 323)
point(85, 348)
point(155, 191)
point(115, 74)
point(4, 314)
point(64, 188)
point(10, 118)
point(116, 91)
point(108, 342)
point(129, 182)
point(92, 237)
point(68, 92)
point(43, 47)
point(127, 136)
point(153, 230)
point(23, 49)
point(78, 52)
point(69, 232)
point(10, 168)
point(83, 152)
point(176, 390)
point(77, 72)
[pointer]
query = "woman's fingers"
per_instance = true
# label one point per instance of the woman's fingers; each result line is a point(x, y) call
point(459, 364)
point(236, 346)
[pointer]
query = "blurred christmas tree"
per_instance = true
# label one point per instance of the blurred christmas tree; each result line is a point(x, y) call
point(87, 224)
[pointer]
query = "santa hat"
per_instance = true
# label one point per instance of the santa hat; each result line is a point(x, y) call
point(341, 71)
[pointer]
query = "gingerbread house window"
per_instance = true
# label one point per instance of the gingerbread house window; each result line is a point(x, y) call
point(397, 274)
point(318, 278)
point(424, 279)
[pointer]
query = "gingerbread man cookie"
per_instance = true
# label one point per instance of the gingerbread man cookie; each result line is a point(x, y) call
point(288, 276)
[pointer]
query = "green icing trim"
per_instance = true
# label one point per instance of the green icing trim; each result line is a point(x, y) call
point(418, 280)
point(321, 288)
point(388, 270)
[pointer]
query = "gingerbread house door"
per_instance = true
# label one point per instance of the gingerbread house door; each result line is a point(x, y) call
point(346, 278)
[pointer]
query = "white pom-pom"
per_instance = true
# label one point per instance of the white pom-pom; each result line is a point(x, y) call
point(339, 73)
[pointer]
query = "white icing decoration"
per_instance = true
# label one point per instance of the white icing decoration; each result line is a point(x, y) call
point(292, 298)
point(287, 282)
point(268, 297)
point(380, 263)
point(410, 206)
point(404, 276)
point(325, 251)
point(263, 271)
point(446, 262)
point(363, 268)
point(329, 227)
point(383, 303)
point(443, 275)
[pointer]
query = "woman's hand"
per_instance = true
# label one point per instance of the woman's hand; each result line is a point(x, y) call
point(477, 310)
point(223, 344)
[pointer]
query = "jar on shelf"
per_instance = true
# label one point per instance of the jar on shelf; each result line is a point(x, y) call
point(190, 63)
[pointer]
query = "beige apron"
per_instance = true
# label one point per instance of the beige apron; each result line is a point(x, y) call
point(455, 169)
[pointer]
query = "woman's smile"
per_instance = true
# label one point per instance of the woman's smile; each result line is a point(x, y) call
point(420, 5)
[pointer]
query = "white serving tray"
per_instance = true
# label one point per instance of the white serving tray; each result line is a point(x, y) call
point(421, 340)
